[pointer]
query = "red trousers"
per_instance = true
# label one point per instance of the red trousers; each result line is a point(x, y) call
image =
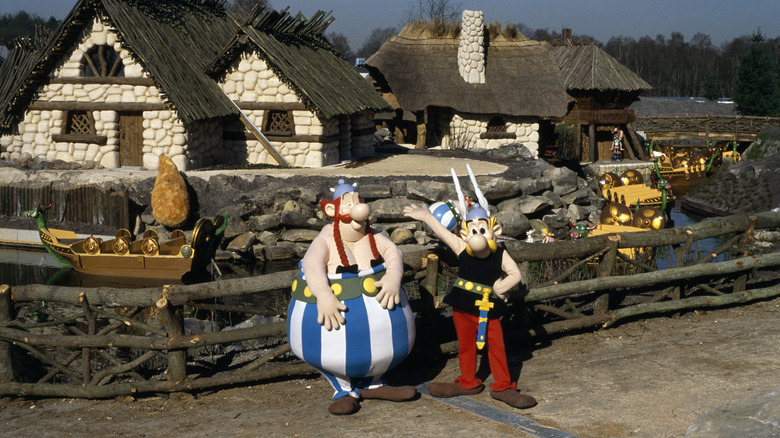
point(466, 325)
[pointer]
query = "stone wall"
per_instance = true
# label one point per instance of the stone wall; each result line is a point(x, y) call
point(467, 129)
point(251, 80)
point(471, 48)
point(163, 131)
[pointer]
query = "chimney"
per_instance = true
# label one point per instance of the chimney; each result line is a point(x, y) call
point(471, 50)
point(566, 35)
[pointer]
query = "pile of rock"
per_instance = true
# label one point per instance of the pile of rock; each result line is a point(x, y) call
point(276, 219)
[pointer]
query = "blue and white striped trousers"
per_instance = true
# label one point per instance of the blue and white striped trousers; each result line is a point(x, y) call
point(371, 341)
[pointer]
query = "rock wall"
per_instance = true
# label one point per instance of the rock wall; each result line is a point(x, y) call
point(465, 131)
point(471, 48)
point(277, 218)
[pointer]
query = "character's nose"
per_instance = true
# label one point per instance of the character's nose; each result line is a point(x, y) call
point(477, 242)
point(360, 212)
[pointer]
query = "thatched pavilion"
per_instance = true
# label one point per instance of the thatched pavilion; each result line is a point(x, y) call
point(603, 89)
point(121, 82)
point(468, 83)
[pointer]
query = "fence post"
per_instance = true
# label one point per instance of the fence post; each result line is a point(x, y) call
point(601, 304)
point(740, 283)
point(177, 359)
point(6, 367)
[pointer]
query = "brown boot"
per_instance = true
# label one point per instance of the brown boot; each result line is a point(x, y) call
point(392, 393)
point(344, 406)
point(514, 398)
point(451, 389)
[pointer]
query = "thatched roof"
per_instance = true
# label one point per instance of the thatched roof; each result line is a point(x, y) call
point(23, 55)
point(172, 39)
point(521, 76)
point(299, 54)
point(587, 67)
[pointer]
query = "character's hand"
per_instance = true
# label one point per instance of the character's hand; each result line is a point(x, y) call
point(389, 296)
point(329, 311)
point(504, 296)
point(417, 211)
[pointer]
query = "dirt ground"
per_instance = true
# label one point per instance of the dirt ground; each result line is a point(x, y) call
point(647, 378)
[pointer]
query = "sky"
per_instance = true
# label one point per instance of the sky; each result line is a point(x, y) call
point(722, 20)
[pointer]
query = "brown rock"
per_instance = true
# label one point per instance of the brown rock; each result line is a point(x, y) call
point(170, 200)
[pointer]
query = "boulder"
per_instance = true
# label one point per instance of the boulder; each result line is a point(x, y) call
point(564, 180)
point(401, 235)
point(513, 223)
point(170, 199)
point(526, 205)
point(242, 243)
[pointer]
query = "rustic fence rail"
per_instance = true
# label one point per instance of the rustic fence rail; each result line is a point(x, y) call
point(705, 126)
point(101, 342)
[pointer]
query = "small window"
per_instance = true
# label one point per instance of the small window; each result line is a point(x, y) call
point(496, 124)
point(103, 61)
point(497, 129)
point(79, 122)
point(278, 123)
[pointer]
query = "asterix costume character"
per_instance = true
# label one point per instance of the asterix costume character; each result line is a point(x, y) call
point(349, 316)
point(486, 274)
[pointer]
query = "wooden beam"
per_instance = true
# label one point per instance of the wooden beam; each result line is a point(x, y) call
point(97, 106)
point(110, 80)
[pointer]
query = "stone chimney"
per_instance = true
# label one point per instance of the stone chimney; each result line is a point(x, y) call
point(566, 35)
point(471, 50)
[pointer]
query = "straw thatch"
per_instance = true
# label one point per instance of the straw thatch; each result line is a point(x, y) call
point(172, 39)
point(587, 67)
point(521, 76)
point(299, 54)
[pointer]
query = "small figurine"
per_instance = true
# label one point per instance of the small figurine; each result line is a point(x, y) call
point(486, 272)
point(617, 144)
point(349, 316)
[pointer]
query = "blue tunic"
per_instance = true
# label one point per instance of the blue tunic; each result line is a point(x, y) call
point(371, 341)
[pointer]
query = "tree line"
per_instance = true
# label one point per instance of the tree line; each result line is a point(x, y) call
point(745, 68)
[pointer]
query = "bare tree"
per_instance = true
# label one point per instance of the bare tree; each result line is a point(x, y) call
point(340, 43)
point(375, 40)
point(442, 10)
point(244, 6)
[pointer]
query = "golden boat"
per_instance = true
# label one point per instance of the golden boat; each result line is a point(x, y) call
point(147, 258)
point(630, 190)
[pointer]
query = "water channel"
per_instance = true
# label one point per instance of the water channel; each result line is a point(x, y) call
point(21, 267)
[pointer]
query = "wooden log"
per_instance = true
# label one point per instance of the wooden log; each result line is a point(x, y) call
point(713, 227)
point(658, 277)
point(144, 342)
point(147, 297)
point(174, 325)
point(86, 354)
point(151, 386)
point(122, 368)
point(601, 305)
point(6, 366)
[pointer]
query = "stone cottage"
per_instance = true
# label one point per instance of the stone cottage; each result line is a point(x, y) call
point(468, 84)
point(121, 82)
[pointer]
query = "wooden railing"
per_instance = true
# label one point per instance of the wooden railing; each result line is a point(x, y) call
point(705, 127)
point(100, 342)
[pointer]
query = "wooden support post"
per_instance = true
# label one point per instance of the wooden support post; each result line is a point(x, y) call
point(740, 283)
point(86, 354)
point(6, 367)
point(431, 274)
point(679, 261)
point(601, 305)
point(177, 359)
point(592, 153)
point(422, 130)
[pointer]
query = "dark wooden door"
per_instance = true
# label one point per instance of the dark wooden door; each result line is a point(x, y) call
point(131, 139)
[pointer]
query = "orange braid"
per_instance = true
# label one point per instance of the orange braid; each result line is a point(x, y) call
point(372, 242)
point(339, 244)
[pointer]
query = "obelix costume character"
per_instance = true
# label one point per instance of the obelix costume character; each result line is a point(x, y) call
point(349, 316)
point(485, 271)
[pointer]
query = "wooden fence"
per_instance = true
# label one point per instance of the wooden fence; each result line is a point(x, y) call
point(99, 342)
point(88, 204)
point(704, 127)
